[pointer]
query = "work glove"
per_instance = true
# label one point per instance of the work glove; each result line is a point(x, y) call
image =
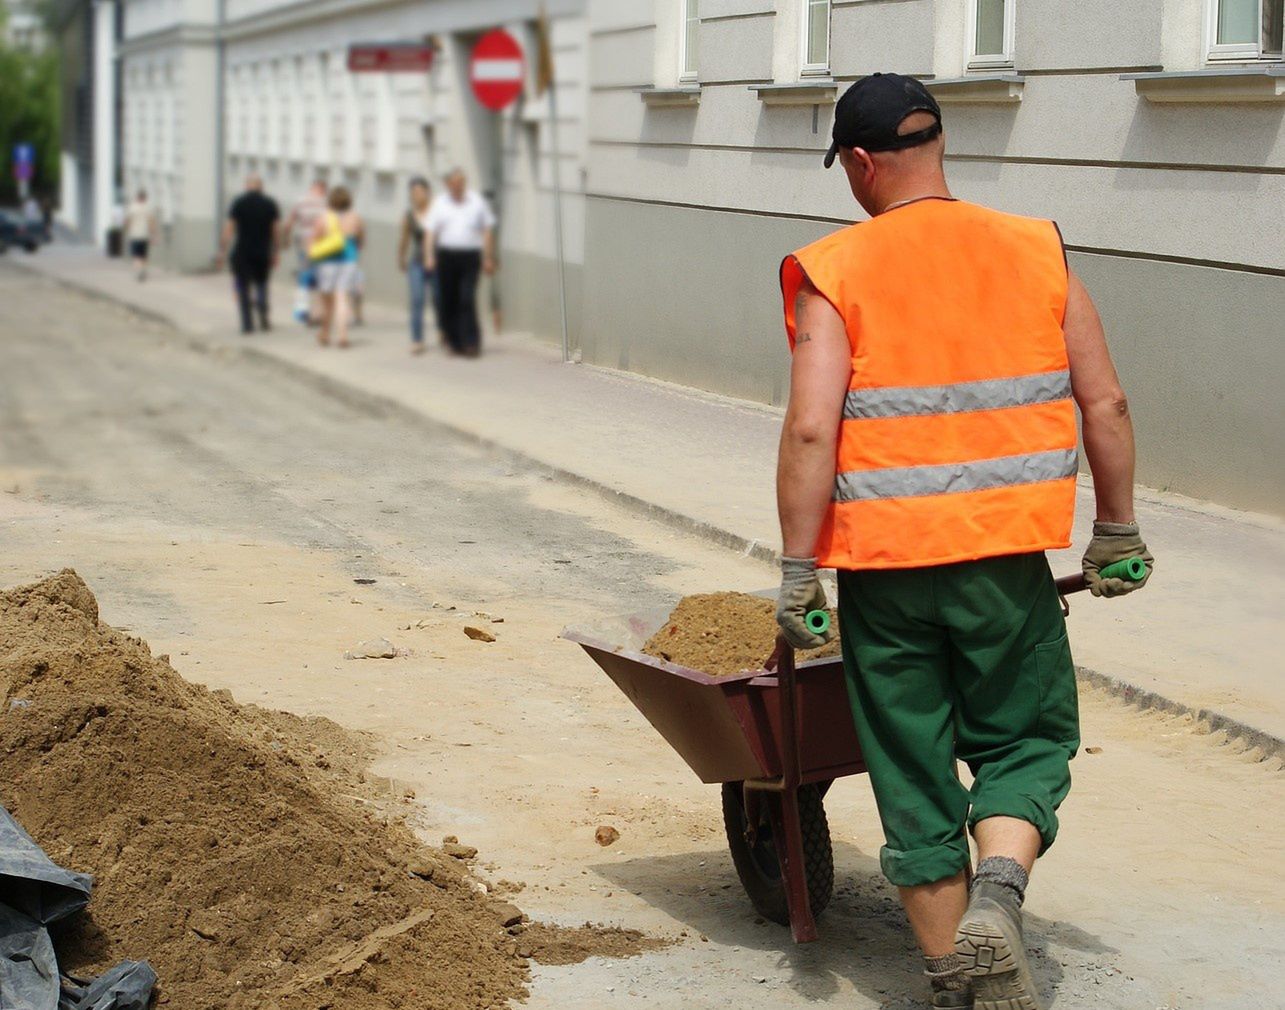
point(801, 592)
point(1114, 542)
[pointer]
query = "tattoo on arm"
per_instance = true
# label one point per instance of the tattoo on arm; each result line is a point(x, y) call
point(802, 338)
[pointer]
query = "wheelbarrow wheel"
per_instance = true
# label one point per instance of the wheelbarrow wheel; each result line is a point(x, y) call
point(758, 865)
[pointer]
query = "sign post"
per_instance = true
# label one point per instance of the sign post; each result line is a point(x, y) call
point(547, 84)
point(24, 167)
point(496, 73)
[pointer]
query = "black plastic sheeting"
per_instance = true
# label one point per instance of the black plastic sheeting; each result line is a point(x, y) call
point(34, 893)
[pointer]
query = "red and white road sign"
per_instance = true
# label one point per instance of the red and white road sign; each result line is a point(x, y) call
point(497, 69)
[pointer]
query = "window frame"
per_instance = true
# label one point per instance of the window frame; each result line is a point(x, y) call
point(807, 68)
point(688, 11)
point(973, 60)
point(1236, 52)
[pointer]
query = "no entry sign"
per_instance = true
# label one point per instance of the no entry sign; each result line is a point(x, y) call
point(496, 69)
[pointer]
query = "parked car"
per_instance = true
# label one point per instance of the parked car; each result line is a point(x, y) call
point(15, 231)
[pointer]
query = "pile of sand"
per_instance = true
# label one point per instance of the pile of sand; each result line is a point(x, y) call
point(245, 863)
point(724, 633)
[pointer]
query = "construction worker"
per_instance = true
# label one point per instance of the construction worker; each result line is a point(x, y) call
point(929, 455)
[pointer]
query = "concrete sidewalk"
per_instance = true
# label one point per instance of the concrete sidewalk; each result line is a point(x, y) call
point(1207, 636)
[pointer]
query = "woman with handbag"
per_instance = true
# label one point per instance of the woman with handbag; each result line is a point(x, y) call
point(336, 249)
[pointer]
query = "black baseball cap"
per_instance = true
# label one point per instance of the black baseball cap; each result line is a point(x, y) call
point(869, 112)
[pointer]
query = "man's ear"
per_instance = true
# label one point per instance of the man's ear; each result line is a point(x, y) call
point(864, 162)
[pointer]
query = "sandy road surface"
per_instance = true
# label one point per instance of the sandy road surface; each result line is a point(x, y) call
point(222, 508)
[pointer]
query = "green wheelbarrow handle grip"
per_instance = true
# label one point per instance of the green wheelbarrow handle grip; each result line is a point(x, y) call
point(818, 621)
point(1133, 569)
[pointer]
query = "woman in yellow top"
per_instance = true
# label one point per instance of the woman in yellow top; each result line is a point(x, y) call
point(336, 247)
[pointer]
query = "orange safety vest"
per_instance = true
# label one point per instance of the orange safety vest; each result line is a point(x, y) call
point(958, 438)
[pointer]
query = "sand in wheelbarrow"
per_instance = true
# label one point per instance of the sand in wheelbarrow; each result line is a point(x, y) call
point(723, 633)
point(242, 852)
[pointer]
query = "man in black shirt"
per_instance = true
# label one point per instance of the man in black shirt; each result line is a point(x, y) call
point(252, 226)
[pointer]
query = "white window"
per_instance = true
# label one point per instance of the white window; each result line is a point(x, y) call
point(688, 39)
point(990, 33)
point(1245, 29)
point(816, 37)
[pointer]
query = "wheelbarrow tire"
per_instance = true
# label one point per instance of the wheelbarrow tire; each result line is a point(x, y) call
point(759, 868)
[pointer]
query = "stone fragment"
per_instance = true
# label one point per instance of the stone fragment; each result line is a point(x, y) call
point(376, 648)
point(509, 915)
point(606, 835)
point(478, 634)
point(205, 925)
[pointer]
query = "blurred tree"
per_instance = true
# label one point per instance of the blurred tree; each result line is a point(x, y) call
point(29, 112)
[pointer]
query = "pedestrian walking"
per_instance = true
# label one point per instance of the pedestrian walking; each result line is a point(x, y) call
point(414, 256)
point(32, 216)
point(47, 218)
point(462, 226)
point(251, 231)
point(929, 454)
point(336, 250)
point(296, 232)
point(140, 231)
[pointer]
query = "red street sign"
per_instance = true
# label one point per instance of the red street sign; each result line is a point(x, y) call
point(496, 69)
point(389, 58)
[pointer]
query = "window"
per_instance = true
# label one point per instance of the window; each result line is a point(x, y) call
point(1245, 29)
point(689, 40)
point(990, 33)
point(816, 37)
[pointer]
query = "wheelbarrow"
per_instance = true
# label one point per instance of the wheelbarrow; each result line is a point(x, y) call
point(774, 739)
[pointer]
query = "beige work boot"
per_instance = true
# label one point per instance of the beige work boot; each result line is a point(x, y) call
point(989, 943)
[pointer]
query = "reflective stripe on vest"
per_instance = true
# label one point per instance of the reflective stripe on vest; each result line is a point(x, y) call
point(952, 478)
point(958, 398)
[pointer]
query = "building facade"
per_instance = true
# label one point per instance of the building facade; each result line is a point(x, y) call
point(691, 134)
point(291, 111)
point(23, 26)
point(87, 33)
point(1151, 131)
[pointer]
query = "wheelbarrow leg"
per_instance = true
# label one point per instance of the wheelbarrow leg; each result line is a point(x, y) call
point(794, 870)
point(787, 827)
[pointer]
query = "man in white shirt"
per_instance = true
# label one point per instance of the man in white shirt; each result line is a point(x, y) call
point(462, 226)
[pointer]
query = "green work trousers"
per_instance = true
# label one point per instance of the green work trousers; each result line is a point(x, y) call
point(966, 661)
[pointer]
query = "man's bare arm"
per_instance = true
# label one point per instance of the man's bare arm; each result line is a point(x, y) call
point(1108, 429)
point(819, 377)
